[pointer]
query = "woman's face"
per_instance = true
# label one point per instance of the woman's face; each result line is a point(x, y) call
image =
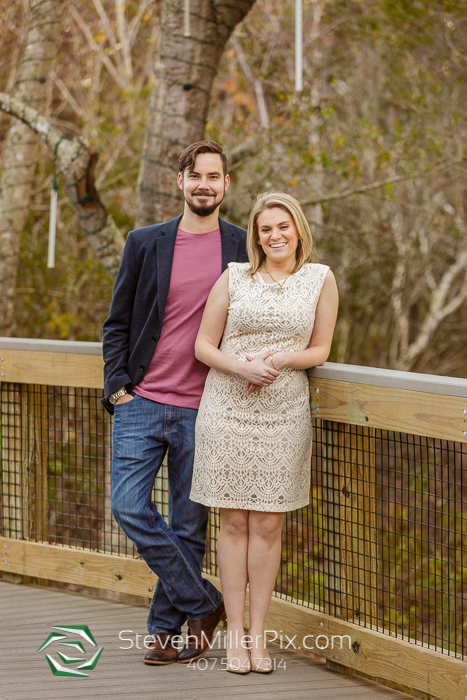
point(278, 235)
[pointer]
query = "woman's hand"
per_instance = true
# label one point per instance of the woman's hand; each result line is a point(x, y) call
point(258, 373)
point(251, 387)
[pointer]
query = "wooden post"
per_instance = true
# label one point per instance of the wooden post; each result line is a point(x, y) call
point(350, 520)
point(331, 511)
point(210, 559)
point(41, 496)
point(358, 525)
point(34, 503)
point(11, 459)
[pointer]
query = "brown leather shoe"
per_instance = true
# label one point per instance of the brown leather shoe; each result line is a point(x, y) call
point(200, 635)
point(161, 652)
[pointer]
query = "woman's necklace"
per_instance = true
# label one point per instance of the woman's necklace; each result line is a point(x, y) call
point(281, 284)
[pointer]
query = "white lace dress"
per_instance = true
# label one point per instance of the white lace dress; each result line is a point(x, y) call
point(254, 452)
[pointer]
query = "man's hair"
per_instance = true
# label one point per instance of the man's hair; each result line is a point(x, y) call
point(188, 156)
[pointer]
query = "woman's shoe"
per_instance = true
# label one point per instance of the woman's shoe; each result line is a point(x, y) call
point(236, 665)
point(263, 666)
point(241, 669)
point(260, 664)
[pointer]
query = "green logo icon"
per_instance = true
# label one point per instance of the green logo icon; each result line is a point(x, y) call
point(71, 646)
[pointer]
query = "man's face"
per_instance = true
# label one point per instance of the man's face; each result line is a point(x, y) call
point(204, 187)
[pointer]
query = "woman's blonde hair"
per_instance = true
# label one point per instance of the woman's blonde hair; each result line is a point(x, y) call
point(269, 200)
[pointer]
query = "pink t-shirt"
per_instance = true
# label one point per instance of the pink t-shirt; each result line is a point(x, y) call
point(174, 375)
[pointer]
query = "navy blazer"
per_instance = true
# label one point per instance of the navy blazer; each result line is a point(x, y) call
point(139, 297)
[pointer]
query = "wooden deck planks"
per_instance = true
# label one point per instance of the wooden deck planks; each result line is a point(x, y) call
point(28, 614)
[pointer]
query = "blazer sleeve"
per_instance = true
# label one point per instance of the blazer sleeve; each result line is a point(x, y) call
point(243, 255)
point(116, 330)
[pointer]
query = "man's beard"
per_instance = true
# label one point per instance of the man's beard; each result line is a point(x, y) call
point(206, 210)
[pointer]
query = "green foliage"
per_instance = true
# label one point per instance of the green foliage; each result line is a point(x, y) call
point(74, 485)
point(301, 575)
point(422, 559)
point(107, 108)
point(384, 94)
point(423, 554)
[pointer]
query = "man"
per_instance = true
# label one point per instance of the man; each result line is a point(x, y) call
point(154, 383)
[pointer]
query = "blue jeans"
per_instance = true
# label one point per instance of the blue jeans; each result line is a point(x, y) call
point(142, 432)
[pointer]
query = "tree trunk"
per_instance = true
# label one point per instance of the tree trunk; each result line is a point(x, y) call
point(21, 147)
point(185, 67)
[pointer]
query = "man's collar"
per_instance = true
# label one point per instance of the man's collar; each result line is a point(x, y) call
point(170, 228)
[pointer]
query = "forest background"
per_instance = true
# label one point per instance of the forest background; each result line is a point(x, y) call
point(374, 147)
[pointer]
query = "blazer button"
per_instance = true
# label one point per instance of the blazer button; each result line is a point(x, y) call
point(154, 339)
point(141, 367)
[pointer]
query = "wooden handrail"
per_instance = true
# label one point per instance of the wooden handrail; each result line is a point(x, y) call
point(52, 366)
point(418, 404)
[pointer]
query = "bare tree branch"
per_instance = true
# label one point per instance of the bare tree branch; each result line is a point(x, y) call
point(262, 108)
point(105, 22)
point(76, 162)
point(69, 97)
point(113, 70)
point(343, 194)
point(123, 35)
point(134, 25)
point(439, 307)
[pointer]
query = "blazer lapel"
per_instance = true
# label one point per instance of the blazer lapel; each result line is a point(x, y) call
point(229, 244)
point(165, 245)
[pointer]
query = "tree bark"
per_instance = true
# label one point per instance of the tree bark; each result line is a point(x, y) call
point(185, 67)
point(76, 162)
point(21, 147)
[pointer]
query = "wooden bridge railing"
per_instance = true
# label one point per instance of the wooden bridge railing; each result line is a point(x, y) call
point(374, 571)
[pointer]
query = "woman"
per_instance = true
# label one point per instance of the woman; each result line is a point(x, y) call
point(275, 316)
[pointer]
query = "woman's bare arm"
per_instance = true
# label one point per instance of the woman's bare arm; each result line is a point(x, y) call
point(210, 334)
point(323, 330)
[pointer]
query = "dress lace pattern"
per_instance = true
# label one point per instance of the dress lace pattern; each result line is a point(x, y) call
point(254, 452)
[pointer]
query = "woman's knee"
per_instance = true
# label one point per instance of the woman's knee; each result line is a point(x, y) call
point(234, 523)
point(267, 526)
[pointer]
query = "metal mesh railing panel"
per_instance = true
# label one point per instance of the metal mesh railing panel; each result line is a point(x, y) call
point(383, 542)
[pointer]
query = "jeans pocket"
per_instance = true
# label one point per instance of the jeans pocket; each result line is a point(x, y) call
point(125, 403)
